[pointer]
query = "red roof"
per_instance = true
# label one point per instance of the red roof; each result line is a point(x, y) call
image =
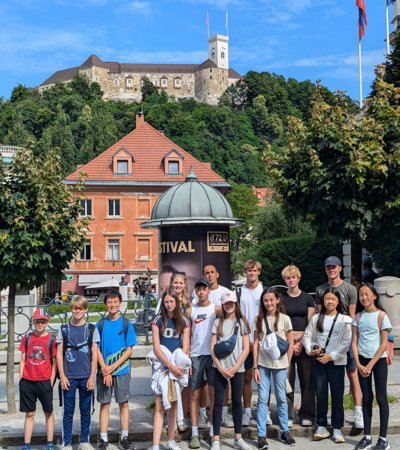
point(148, 148)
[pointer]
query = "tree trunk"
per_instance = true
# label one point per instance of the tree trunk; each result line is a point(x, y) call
point(11, 405)
point(356, 262)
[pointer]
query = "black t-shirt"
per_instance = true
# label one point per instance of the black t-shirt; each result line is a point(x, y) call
point(297, 309)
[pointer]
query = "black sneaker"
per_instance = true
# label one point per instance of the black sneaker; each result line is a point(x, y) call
point(287, 438)
point(262, 442)
point(124, 444)
point(103, 445)
point(381, 445)
point(364, 444)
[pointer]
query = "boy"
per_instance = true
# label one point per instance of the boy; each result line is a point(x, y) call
point(202, 316)
point(249, 298)
point(37, 371)
point(77, 364)
point(115, 337)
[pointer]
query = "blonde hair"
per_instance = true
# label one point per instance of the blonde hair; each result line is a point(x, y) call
point(291, 271)
point(250, 263)
point(79, 302)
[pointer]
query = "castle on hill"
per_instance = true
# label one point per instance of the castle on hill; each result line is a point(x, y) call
point(205, 82)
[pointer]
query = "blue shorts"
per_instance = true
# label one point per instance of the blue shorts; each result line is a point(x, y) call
point(248, 364)
point(351, 364)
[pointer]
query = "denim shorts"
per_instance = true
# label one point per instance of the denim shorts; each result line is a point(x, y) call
point(351, 364)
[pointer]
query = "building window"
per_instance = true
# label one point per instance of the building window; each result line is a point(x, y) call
point(113, 250)
point(210, 70)
point(173, 167)
point(116, 82)
point(129, 82)
point(86, 208)
point(122, 166)
point(222, 55)
point(156, 82)
point(210, 77)
point(213, 55)
point(177, 83)
point(143, 246)
point(86, 253)
point(164, 82)
point(96, 78)
point(114, 207)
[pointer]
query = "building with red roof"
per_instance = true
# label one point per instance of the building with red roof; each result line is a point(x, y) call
point(122, 185)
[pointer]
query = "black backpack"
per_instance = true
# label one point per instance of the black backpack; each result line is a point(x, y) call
point(124, 330)
point(49, 345)
point(66, 345)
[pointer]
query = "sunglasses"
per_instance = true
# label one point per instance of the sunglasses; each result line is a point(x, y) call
point(78, 308)
point(40, 321)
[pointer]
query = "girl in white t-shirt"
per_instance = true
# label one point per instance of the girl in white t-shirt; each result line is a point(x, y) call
point(271, 311)
point(371, 327)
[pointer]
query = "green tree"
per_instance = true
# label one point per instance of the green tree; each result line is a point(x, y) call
point(339, 170)
point(39, 232)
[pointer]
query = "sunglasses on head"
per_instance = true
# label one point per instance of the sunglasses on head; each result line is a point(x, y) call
point(175, 274)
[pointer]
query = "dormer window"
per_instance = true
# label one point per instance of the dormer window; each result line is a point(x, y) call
point(122, 162)
point(173, 163)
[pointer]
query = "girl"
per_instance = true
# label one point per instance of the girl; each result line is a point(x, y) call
point(300, 308)
point(371, 327)
point(172, 330)
point(271, 312)
point(230, 368)
point(178, 284)
point(327, 338)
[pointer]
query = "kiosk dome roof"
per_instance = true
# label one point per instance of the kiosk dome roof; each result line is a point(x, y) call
point(191, 202)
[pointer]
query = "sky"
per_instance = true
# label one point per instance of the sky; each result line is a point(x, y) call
point(302, 39)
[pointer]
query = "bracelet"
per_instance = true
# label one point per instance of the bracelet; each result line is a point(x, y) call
point(254, 368)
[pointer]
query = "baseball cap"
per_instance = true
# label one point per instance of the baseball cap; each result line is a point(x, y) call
point(229, 297)
point(333, 261)
point(202, 281)
point(40, 314)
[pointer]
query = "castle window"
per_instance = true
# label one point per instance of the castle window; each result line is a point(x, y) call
point(96, 78)
point(164, 82)
point(213, 55)
point(210, 70)
point(129, 82)
point(222, 55)
point(177, 83)
point(210, 77)
point(156, 82)
point(116, 82)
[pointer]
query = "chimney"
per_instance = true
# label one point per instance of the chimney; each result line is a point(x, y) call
point(139, 119)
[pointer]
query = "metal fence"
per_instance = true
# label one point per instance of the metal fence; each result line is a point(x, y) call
point(139, 311)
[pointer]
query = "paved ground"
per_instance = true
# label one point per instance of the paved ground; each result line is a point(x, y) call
point(141, 421)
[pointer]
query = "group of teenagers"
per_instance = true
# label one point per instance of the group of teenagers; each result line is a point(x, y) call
point(213, 343)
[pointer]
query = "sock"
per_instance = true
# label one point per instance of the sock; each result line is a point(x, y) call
point(211, 431)
point(195, 431)
point(358, 409)
point(124, 433)
point(202, 411)
point(383, 438)
point(156, 447)
point(224, 410)
point(368, 436)
point(247, 411)
point(104, 437)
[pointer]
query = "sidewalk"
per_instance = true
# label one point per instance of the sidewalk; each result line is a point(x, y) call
point(141, 421)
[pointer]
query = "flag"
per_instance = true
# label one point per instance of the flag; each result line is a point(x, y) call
point(362, 18)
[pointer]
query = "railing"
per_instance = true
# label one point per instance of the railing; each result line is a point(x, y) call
point(9, 150)
point(138, 311)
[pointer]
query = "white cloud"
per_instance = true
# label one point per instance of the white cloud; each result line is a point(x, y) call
point(138, 7)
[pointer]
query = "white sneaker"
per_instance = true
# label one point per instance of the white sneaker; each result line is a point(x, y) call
point(84, 446)
point(173, 446)
point(306, 423)
point(358, 419)
point(203, 422)
point(67, 447)
point(290, 423)
point(338, 436)
point(321, 433)
point(246, 420)
point(216, 445)
point(227, 421)
point(183, 425)
point(241, 444)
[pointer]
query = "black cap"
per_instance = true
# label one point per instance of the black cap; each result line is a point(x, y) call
point(333, 261)
point(202, 282)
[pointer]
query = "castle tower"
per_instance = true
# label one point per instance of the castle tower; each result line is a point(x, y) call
point(218, 50)
point(395, 14)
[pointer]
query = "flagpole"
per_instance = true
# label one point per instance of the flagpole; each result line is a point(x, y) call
point(360, 73)
point(208, 25)
point(226, 23)
point(387, 28)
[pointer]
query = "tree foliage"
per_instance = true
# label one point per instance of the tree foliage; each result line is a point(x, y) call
point(39, 231)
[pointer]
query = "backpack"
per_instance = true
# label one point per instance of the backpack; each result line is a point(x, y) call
point(49, 345)
point(125, 322)
point(66, 345)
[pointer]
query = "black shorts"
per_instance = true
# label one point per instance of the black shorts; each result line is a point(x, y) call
point(32, 391)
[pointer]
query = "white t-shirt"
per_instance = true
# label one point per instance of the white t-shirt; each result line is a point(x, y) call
point(214, 297)
point(369, 335)
point(202, 319)
point(250, 303)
